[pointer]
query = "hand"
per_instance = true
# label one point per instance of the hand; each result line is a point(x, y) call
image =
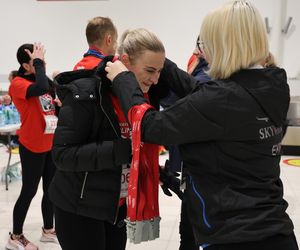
point(114, 68)
point(269, 61)
point(100, 70)
point(57, 101)
point(38, 52)
point(5, 99)
point(170, 181)
point(101, 66)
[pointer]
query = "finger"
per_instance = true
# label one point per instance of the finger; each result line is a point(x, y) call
point(39, 47)
point(166, 190)
point(180, 195)
point(35, 46)
point(28, 52)
point(176, 174)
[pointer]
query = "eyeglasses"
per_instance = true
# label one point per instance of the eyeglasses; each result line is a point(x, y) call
point(200, 44)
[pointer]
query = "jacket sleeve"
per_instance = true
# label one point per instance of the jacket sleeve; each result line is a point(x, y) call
point(73, 150)
point(191, 119)
point(177, 80)
point(41, 84)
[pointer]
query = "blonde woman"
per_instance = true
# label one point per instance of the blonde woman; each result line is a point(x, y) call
point(229, 132)
point(92, 149)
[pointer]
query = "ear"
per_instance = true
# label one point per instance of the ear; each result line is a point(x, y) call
point(26, 66)
point(125, 60)
point(108, 39)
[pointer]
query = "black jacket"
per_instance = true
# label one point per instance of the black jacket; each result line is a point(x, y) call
point(87, 146)
point(229, 133)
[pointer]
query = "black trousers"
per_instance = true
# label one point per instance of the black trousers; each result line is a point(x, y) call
point(76, 232)
point(277, 242)
point(187, 239)
point(34, 167)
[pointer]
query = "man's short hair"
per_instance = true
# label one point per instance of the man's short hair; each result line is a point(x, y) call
point(97, 28)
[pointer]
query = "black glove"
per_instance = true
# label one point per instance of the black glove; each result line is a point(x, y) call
point(100, 70)
point(122, 151)
point(170, 181)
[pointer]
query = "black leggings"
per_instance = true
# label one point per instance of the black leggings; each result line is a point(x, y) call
point(34, 166)
point(76, 232)
point(277, 242)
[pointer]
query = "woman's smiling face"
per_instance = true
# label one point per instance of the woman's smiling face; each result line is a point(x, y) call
point(146, 67)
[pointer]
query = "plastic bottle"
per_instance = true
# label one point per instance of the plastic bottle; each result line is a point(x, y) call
point(16, 114)
point(2, 117)
point(9, 114)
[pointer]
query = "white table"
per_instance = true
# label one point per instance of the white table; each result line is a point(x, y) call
point(8, 130)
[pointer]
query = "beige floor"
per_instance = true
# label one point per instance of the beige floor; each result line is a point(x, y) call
point(169, 207)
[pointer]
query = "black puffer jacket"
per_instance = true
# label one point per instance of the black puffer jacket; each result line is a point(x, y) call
point(87, 145)
point(229, 133)
point(85, 148)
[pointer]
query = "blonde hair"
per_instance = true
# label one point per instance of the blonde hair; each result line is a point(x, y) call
point(234, 38)
point(97, 28)
point(135, 42)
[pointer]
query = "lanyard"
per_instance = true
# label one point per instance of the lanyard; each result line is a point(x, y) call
point(95, 53)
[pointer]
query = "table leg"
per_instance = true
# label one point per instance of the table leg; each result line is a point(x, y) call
point(8, 162)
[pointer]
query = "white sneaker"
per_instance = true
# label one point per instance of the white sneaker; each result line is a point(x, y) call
point(49, 236)
point(19, 242)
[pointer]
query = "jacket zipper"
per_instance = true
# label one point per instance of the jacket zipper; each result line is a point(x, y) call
point(83, 185)
point(113, 127)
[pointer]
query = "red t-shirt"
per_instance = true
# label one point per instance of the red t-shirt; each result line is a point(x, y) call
point(87, 62)
point(124, 126)
point(90, 61)
point(32, 111)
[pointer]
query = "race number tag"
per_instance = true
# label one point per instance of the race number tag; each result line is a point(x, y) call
point(124, 180)
point(51, 123)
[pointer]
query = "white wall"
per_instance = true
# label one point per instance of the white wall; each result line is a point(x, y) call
point(291, 49)
point(60, 26)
